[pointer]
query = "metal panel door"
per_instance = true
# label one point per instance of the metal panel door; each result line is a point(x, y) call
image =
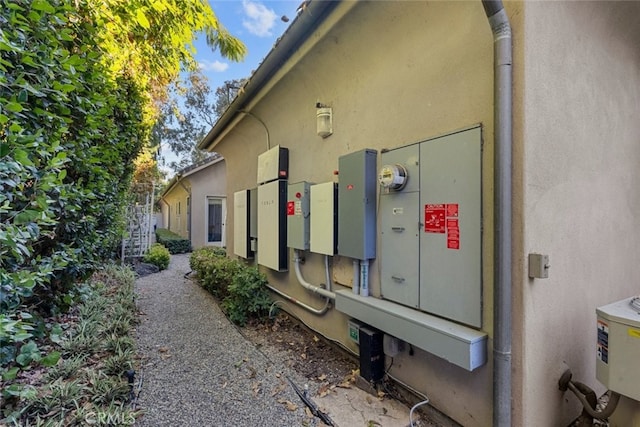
point(400, 230)
point(450, 239)
point(400, 247)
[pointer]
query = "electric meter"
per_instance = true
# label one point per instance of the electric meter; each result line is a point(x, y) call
point(393, 177)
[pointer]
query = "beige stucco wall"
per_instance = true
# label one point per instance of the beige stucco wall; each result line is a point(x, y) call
point(174, 209)
point(418, 70)
point(208, 181)
point(578, 172)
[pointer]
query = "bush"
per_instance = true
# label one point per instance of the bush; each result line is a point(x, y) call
point(240, 288)
point(158, 255)
point(172, 241)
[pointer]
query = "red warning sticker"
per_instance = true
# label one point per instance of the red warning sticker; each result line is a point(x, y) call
point(453, 234)
point(434, 218)
point(291, 207)
point(452, 210)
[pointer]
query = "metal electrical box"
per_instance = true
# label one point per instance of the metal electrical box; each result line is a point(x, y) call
point(399, 230)
point(431, 228)
point(272, 225)
point(273, 164)
point(371, 354)
point(357, 204)
point(241, 224)
point(323, 224)
point(618, 347)
point(298, 199)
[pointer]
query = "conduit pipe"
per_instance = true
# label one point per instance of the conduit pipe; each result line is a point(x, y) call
point(307, 307)
point(356, 277)
point(315, 289)
point(503, 101)
point(327, 275)
point(364, 278)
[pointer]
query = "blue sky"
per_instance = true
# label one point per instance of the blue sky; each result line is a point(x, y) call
point(257, 23)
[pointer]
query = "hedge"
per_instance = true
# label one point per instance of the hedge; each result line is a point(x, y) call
point(241, 289)
point(172, 241)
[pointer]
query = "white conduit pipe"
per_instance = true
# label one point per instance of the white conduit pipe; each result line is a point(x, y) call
point(327, 275)
point(364, 278)
point(356, 277)
point(315, 289)
point(307, 307)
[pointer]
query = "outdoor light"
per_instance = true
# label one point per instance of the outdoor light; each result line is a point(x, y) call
point(324, 120)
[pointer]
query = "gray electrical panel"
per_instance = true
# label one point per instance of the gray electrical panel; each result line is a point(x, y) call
point(431, 244)
point(357, 204)
point(399, 230)
point(298, 215)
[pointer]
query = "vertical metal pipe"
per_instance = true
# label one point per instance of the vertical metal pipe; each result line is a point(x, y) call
point(503, 55)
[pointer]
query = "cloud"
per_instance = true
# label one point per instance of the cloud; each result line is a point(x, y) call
point(260, 20)
point(216, 66)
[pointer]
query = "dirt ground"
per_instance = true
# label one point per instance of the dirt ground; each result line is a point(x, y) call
point(302, 350)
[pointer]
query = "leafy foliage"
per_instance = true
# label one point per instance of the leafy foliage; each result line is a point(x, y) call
point(187, 114)
point(240, 288)
point(158, 255)
point(175, 243)
point(77, 84)
point(67, 143)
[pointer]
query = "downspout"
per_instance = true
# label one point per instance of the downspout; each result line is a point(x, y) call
point(503, 99)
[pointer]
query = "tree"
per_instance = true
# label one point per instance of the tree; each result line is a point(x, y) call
point(77, 81)
point(188, 114)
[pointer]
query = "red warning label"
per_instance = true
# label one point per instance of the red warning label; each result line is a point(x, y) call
point(453, 234)
point(452, 210)
point(291, 207)
point(434, 216)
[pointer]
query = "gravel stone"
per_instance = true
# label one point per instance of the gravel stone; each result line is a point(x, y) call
point(197, 369)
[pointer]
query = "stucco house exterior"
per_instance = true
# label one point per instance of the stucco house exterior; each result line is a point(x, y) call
point(500, 137)
point(194, 203)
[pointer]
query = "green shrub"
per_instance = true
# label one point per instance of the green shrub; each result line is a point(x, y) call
point(158, 255)
point(172, 241)
point(240, 288)
point(247, 296)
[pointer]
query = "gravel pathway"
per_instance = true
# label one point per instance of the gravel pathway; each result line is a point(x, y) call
point(197, 369)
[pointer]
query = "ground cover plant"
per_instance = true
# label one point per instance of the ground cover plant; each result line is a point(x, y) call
point(93, 346)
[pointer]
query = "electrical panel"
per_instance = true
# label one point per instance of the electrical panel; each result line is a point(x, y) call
point(272, 225)
point(400, 229)
point(357, 204)
point(323, 224)
point(618, 347)
point(298, 200)
point(273, 164)
point(430, 208)
point(241, 217)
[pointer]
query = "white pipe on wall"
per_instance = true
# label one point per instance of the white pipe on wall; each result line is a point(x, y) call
point(364, 278)
point(356, 276)
point(315, 289)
